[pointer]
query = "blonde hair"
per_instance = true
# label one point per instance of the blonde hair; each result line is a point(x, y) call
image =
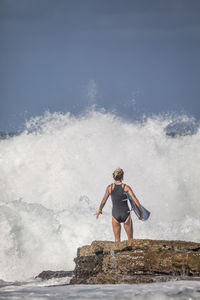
point(118, 174)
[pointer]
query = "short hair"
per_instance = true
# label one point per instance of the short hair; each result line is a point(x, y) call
point(118, 174)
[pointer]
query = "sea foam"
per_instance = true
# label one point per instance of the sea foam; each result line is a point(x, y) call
point(54, 174)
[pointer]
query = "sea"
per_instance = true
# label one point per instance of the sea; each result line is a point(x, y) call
point(53, 175)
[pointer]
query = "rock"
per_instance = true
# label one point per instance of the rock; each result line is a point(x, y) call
point(136, 261)
point(54, 274)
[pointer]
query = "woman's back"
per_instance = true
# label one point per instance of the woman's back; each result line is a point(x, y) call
point(120, 210)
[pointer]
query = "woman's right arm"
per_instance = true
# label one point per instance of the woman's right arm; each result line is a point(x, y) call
point(103, 202)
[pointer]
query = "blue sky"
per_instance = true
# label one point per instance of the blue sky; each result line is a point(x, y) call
point(130, 56)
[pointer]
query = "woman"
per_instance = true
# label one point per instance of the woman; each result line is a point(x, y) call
point(120, 210)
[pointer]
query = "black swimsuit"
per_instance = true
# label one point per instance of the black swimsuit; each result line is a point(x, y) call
point(120, 210)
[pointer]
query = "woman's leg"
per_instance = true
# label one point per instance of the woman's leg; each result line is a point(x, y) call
point(128, 226)
point(116, 229)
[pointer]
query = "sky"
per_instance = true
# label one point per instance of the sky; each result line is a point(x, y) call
point(132, 57)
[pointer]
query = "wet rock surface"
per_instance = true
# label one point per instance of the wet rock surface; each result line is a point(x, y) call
point(54, 274)
point(136, 261)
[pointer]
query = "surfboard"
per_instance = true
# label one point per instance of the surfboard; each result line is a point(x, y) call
point(136, 210)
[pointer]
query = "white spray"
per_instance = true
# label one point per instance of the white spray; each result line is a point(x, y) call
point(53, 177)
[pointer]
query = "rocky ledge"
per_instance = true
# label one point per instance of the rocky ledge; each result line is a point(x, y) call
point(136, 261)
point(54, 274)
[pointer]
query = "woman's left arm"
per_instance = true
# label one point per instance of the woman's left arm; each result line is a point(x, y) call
point(103, 202)
point(135, 200)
